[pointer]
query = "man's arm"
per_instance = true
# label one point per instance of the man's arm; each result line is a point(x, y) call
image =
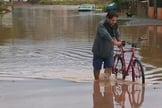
point(103, 32)
point(106, 35)
point(116, 42)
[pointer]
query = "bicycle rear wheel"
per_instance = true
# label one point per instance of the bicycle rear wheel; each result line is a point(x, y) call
point(138, 72)
point(118, 67)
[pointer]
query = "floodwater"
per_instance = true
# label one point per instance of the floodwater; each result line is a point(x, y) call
point(47, 42)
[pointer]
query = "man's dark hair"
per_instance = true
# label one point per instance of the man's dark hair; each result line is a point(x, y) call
point(111, 14)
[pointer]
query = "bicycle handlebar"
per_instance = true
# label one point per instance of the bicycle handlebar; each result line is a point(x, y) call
point(131, 49)
point(134, 45)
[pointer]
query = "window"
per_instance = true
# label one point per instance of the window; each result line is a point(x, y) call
point(159, 3)
point(151, 3)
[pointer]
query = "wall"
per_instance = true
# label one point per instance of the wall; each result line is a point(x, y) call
point(155, 9)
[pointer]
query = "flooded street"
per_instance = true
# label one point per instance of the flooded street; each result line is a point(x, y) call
point(48, 42)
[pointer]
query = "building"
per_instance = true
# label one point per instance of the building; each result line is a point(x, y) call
point(155, 9)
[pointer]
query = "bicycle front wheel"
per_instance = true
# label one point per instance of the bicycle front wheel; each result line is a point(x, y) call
point(138, 92)
point(118, 67)
point(138, 72)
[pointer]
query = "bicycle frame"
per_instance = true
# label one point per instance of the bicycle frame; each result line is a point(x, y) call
point(122, 52)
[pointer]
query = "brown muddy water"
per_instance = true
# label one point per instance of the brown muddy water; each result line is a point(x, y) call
point(48, 42)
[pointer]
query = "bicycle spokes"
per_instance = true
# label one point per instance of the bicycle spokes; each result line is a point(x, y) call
point(138, 72)
point(118, 66)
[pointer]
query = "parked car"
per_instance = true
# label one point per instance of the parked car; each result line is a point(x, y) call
point(109, 7)
point(86, 7)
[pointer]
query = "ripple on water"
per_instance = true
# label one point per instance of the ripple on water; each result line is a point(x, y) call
point(71, 60)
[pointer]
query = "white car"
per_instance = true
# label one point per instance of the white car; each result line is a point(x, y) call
point(86, 7)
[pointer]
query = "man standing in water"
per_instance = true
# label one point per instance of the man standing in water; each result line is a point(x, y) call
point(107, 36)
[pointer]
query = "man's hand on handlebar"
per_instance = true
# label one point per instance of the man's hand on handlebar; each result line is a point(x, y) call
point(117, 43)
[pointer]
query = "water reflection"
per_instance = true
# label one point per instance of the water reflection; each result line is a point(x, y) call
point(132, 93)
point(102, 98)
point(4, 31)
point(47, 42)
point(121, 95)
point(5, 27)
point(49, 24)
point(152, 48)
point(151, 52)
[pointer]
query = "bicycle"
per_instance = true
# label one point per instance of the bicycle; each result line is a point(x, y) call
point(135, 93)
point(133, 66)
